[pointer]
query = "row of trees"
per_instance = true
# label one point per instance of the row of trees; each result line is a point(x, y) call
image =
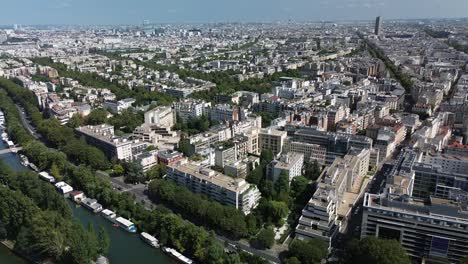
point(171, 229)
point(226, 220)
point(375, 51)
point(61, 137)
point(40, 222)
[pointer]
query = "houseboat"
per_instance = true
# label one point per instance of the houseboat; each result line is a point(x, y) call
point(24, 160)
point(64, 188)
point(109, 215)
point(2, 119)
point(77, 196)
point(44, 175)
point(12, 147)
point(126, 224)
point(176, 255)
point(33, 167)
point(4, 137)
point(150, 240)
point(92, 205)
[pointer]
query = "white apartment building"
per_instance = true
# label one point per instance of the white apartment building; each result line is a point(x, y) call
point(219, 187)
point(338, 190)
point(190, 108)
point(290, 163)
point(161, 117)
point(116, 107)
point(102, 137)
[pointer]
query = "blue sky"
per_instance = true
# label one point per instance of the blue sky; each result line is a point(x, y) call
point(188, 11)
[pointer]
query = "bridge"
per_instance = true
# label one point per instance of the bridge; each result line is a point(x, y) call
point(6, 151)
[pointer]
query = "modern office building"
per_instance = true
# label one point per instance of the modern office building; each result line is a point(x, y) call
point(378, 25)
point(272, 139)
point(418, 209)
point(431, 232)
point(219, 187)
point(315, 142)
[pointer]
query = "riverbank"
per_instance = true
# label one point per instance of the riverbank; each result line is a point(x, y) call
point(124, 247)
point(7, 254)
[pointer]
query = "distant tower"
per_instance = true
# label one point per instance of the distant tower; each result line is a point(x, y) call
point(378, 25)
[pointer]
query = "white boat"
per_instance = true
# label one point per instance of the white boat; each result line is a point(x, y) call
point(149, 239)
point(2, 118)
point(126, 225)
point(46, 177)
point(175, 254)
point(34, 167)
point(92, 205)
point(109, 215)
point(24, 160)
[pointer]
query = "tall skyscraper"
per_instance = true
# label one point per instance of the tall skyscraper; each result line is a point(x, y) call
point(378, 25)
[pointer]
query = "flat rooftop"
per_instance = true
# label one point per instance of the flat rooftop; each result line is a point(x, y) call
point(216, 178)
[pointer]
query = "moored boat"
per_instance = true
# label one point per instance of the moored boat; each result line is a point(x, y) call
point(24, 160)
point(126, 224)
point(149, 239)
point(109, 215)
point(176, 255)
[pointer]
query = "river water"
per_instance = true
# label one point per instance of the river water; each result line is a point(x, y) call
point(125, 248)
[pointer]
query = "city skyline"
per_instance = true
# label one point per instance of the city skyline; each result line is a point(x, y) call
point(86, 12)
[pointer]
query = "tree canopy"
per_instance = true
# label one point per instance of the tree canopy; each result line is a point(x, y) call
point(374, 250)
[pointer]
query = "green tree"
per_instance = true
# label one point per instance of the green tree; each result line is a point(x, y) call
point(118, 170)
point(301, 191)
point(266, 156)
point(184, 147)
point(103, 241)
point(76, 121)
point(374, 250)
point(292, 260)
point(96, 117)
point(265, 238)
point(256, 176)
point(282, 187)
point(214, 254)
point(156, 172)
point(3, 231)
point(312, 170)
point(273, 211)
point(310, 251)
point(54, 170)
point(134, 172)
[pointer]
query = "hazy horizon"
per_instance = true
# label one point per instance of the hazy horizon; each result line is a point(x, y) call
point(119, 12)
